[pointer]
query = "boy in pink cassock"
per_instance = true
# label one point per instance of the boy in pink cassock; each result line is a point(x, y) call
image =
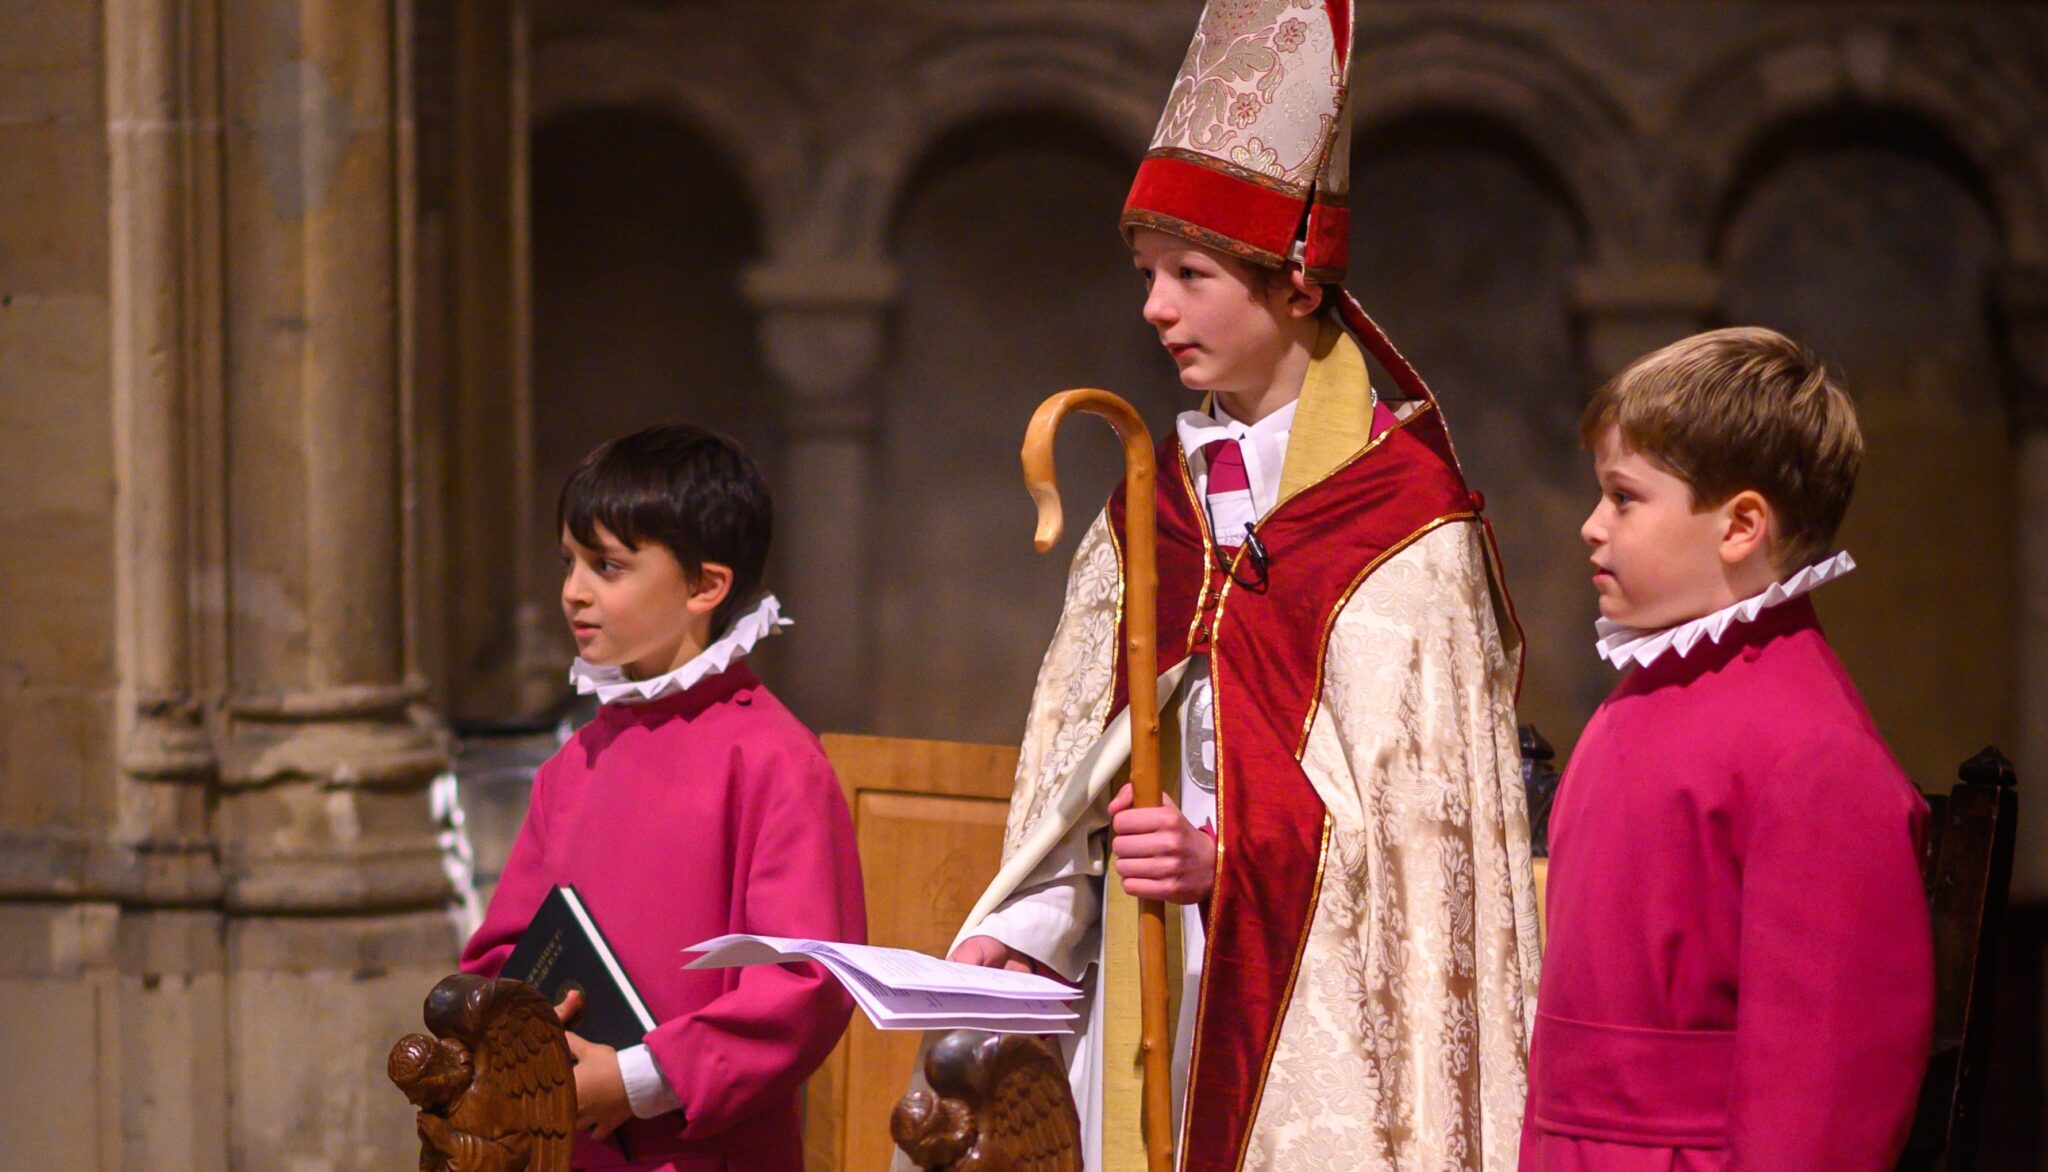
point(693, 806)
point(1739, 972)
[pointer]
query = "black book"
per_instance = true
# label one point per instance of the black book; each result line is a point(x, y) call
point(561, 950)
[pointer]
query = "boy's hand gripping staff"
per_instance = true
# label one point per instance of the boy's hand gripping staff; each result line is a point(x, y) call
point(1141, 589)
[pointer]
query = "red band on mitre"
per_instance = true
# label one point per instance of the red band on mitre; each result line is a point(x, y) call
point(1223, 209)
point(1328, 247)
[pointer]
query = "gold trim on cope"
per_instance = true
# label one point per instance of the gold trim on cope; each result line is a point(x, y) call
point(1315, 696)
point(1308, 923)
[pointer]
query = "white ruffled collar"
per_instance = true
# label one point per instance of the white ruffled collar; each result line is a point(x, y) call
point(1622, 645)
point(612, 686)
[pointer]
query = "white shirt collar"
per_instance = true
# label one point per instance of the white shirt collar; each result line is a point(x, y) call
point(1199, 429)
point(1621, 645)
point(1263, 446)
point(612, 687)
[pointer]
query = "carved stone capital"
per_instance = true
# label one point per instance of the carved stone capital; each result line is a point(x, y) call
point(822, 326)
point(347, 752)
point(167, 741)
point(1647, 290)
point(1629, 310)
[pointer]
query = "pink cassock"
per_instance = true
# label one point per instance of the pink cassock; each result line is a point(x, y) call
point(1739, 967)
point(698, 814)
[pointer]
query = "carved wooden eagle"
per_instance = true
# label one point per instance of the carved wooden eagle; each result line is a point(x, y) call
point(494, 1085)
point(1002, 1104)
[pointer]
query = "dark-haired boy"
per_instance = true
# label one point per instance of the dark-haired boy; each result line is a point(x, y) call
point(1739, 972)
point(693, 806)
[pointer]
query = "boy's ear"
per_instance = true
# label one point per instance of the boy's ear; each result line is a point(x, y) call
point(1747, 530)
point(711, 586)
point(1304, 296)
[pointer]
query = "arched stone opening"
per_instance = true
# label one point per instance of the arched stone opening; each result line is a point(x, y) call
point(1464, 246)
point(1939, 88)
point(1867, 234)
point(1841, 129)
point(1529, 98)
point(1016, 285)
point(640, 231)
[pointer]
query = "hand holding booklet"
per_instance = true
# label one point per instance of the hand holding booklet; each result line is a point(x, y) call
point(903, 990)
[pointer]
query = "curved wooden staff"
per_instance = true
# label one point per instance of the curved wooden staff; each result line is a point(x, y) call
point(1141, 659)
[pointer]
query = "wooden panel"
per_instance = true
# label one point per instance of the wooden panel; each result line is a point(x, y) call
point(944, 851)
point(921, 767)
point(929, 818)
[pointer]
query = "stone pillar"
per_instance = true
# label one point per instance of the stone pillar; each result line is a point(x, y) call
point(2021, 296)
point(333, 885)
point(822, 328)
point(1628, 310)
point(153, 961)
point(162, 346)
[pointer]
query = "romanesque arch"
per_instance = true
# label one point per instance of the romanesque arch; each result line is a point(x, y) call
point(756, 130)
point(1869, 235)
point(1944, 77)
point(980, 82)
point(1488, 75)
point(640, 231)
point(1021, 287)
point(1465, 245)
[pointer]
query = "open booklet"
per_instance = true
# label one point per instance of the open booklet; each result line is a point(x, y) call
point(903, 990)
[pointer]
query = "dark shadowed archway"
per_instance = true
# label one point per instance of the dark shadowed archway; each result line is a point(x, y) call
point(640, 230)
point(1865, 234)
point(1016, 285)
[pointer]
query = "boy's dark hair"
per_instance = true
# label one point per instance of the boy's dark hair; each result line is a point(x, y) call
point(1268, 281)
point(1743, 408)
point(692, 491)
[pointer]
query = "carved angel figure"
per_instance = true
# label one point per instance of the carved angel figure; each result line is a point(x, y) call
point(1002, 1104)
point(493, 1086)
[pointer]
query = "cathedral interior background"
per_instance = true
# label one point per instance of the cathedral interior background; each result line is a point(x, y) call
point(307, 306)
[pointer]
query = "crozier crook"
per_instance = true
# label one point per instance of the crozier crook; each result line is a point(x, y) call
point(1141, 662)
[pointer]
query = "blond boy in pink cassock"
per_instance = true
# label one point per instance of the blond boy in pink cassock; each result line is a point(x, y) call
point(1738, 970)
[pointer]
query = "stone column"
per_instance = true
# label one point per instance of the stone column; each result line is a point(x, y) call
point(157, 959)
point(822, 328)
point(2022, 299)
point(162, 344)
point(1630, 309)
point(333, 885)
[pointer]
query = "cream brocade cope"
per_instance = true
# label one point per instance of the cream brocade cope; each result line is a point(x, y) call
point(1404, 1042)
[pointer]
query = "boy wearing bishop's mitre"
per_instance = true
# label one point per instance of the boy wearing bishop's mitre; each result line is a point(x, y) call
point(1337, 659)
point(1740, 969)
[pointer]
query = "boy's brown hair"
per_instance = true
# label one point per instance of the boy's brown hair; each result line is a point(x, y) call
point(1743, 408)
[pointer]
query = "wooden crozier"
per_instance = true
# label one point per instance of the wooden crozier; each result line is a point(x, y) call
point(994, 1107)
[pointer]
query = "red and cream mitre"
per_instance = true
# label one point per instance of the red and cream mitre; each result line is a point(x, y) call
point(1253, 154)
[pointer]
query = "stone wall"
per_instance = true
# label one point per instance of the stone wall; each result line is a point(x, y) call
point(222, 896)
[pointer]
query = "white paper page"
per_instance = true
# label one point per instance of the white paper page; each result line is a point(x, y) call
point(897, 968)
point(902, 1002)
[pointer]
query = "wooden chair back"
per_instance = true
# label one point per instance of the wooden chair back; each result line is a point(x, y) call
point(1967, 868)
point(1539, 785)
point(929, 818)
